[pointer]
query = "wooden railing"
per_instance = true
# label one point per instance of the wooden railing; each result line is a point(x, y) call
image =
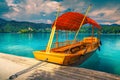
point(59, 44)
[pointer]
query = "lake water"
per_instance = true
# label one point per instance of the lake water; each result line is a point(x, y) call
point(107, 60)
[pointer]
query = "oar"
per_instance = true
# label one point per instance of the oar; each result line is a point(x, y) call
point(52, 33)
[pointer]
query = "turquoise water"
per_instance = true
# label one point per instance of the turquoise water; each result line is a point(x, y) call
point(107, 60)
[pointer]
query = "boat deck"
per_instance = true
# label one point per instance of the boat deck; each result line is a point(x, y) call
point(87, 42)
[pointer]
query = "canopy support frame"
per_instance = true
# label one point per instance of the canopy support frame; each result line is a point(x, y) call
point(48, 48)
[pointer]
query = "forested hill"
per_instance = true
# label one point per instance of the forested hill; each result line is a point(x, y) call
point(15, 26)
point(114, 28)
point(24, 27)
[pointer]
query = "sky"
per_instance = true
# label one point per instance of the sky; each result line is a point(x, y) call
point(44, 11)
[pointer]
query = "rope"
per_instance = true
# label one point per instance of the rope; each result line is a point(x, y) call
point(12, 77)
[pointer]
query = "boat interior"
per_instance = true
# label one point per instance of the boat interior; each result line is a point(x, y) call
point(76, 45)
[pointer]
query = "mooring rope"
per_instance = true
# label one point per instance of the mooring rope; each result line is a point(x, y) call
point(12, 77)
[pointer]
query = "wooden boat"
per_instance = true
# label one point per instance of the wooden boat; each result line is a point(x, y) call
point(70, 52)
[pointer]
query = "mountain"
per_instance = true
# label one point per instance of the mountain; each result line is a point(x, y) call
point(16, 26)
point(113, 28)
point(24, 27)
point(2, 20)
point(106, 25)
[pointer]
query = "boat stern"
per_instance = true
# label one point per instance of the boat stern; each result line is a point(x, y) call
point(52, 57)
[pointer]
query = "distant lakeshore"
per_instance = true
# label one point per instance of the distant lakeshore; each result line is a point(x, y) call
point(29, 27)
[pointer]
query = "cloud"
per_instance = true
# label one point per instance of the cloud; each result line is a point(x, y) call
point(104, 11)
point(106, 15)
point(117, 22)
point(24, 10)
point(37, 6)
point(47, 21)
point(76, 5)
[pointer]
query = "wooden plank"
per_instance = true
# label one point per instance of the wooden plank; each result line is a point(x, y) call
point(49, 71)
point(71, 73)
point(66, 47)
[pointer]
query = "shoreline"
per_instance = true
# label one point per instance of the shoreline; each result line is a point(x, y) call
point(61, 31)
point(11, 64)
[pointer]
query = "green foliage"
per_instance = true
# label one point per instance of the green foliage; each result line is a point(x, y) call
point(106, 29)
point(111, 29)
point(27, 27)
point(23, 27)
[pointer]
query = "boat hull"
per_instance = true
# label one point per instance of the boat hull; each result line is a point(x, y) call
point(83, 58)
point(78, 53)
point(62, 59)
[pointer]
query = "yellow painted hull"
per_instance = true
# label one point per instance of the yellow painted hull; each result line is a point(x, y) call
point(64, 56)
